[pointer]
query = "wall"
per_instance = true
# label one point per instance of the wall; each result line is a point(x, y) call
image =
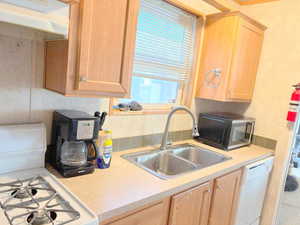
point(22, 98)
point(276, 74)
point(278, 71)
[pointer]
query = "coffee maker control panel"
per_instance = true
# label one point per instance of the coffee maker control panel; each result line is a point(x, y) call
point(85, 129)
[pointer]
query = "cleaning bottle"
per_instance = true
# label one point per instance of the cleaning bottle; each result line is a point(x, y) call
point(105, 149)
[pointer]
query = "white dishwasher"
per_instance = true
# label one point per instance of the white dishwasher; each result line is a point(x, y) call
point(254, 184)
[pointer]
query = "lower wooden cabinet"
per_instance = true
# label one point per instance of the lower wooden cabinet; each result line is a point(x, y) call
point(211, 203)
point(153, 214)
point(225, 198)
point(191, 207)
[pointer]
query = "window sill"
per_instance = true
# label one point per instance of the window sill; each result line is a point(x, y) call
point(166, 110)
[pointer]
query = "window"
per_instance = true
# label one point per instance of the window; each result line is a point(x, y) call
point(164, 53)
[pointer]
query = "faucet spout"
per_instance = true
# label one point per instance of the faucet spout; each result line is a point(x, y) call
point(195, 133)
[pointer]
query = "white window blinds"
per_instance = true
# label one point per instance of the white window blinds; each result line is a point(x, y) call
point(165, 41)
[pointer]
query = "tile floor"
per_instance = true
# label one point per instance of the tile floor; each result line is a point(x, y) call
point(289, 212)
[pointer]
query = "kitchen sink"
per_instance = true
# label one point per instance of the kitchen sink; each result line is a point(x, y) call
point(176, 160)
point(200, 157)
point(165, 163)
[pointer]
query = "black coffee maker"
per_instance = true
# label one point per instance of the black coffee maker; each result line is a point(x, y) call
point(73, 146)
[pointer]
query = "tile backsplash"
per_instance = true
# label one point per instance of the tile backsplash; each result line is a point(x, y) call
point(121, 144)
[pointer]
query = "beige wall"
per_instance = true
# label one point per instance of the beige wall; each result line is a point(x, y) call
point(278, 71)
point(276, 75)
point(278, 67)
point(22, 98)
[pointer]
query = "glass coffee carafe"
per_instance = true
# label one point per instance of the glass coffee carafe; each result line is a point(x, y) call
point(74, 153)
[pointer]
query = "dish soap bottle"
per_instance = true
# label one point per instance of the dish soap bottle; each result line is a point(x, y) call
point(105, 149)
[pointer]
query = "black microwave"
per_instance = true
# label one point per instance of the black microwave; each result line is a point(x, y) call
point(225, 130)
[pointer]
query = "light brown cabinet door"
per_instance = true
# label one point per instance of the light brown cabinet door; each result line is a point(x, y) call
point(225, 197)
point(232, 44)
point(245, 61)
point(107, 40)
point(191, 207)
point(156, 214)
point(218, 43)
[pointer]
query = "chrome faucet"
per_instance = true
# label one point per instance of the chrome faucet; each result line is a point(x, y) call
point(195, 133)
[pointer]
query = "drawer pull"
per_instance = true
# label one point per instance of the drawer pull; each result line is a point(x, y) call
point(83, 79)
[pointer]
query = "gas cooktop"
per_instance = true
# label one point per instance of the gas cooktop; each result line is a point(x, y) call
point(35, 197)
point(34, 201)
point(29, 194)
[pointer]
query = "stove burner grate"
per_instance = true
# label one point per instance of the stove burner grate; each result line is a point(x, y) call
point(37, 211)
point(41, 217)
point(24, 189)
point(21, 193)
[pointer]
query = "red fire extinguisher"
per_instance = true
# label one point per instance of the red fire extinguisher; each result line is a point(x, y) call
point(294, 104)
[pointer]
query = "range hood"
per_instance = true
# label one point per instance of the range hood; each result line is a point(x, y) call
point(51, 16)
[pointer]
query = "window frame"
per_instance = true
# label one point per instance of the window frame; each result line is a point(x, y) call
point(188, 90)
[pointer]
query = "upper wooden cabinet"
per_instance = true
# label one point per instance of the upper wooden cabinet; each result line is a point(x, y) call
point(225, 198)
point(231, 52)
point(97, 58)
point(191, 207)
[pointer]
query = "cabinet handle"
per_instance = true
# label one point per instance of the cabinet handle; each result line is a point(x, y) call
point(219, 187)
point(83, 79)
point(217, 74)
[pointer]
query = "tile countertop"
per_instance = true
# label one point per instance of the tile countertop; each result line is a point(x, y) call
point(124, 186)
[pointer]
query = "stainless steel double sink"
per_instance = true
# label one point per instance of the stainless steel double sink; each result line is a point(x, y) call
point(176, 160)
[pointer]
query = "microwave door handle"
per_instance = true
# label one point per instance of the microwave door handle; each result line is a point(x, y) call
point(251, 131)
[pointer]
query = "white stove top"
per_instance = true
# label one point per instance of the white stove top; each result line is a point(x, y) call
point(36, 197)
point(29, 194)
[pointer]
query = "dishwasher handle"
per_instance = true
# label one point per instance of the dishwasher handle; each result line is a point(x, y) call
point(253, 167)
